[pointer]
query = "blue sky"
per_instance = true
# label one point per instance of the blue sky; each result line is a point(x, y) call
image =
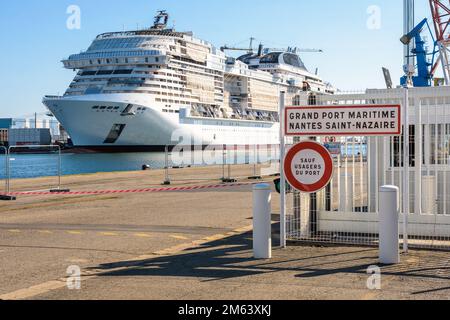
point(35, 38)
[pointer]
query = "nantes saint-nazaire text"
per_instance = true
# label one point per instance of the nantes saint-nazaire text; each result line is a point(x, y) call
point(344, 120)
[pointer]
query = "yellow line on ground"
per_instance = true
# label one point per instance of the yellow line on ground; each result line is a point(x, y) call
point(75, 232)
point(178, 237)
point(33, 291)
point(61, 283)
point(14, 231)
point(218, 237)
point(45, 232)
point(142, 235)
point(109, 234)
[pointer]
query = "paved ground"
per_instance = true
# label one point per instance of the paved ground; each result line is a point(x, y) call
point(185, 245)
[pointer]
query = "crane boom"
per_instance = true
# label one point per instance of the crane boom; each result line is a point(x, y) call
point(294, 50)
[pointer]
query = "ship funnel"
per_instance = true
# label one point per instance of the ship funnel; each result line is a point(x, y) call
point(260, 49)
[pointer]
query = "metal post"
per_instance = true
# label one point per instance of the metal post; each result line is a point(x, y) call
point(6, 168)
point(388, 225)
point(59, 168)
point(166, 168)
point(262, 228)
point(282, 176)
point(256, 159)
point(255, 175)
point(418, 158)
point(224, 159)
point(406, 171)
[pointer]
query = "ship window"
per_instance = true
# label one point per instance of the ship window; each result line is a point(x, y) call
point(123, 71)
point(115, 133)
point(102, 108)
point(128, 109)
point(110, 108)
point(271, 58)
point(293, 60)
point(104, 72)
point(95, 107)
point(105, 44)
point(156, 59)
point(88, 73)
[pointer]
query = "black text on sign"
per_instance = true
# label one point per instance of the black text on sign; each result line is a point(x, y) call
point(366, 120)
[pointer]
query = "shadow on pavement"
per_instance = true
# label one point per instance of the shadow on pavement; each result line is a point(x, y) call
point(232, 258)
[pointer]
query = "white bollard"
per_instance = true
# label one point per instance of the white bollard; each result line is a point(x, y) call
point(262, 221)
point(388, 225)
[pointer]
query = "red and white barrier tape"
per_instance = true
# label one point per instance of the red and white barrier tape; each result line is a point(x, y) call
point(149, 190)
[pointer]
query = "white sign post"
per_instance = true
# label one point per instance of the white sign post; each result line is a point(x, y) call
point(282, 176)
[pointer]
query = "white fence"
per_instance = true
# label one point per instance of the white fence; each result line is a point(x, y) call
point(347, 211)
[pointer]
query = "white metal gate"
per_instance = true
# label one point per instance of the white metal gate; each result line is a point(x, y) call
point(346, 212)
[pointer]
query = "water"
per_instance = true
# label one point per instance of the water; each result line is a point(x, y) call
point(43, 165)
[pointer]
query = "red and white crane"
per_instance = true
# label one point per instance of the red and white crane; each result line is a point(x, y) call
point(440, 10)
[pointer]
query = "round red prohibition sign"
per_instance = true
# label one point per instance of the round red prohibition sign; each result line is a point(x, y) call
point(308, 167)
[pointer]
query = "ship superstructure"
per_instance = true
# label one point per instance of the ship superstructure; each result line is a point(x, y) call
point(147, 89)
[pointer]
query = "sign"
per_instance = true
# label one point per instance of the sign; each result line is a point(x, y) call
point(335, 148)
point(308, 167)
point(330, 139)
point(353, 120)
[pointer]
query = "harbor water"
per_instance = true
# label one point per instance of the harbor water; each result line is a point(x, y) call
point(43, 165)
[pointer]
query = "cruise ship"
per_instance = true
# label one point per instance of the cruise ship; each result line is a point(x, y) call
point(148, 89)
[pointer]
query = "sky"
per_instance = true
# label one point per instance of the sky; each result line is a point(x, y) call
point(358, 37)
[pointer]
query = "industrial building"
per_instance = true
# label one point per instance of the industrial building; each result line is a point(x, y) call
point(31, 131)
point(21, 137)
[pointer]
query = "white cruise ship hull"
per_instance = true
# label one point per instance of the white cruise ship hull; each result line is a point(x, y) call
point(148, 127)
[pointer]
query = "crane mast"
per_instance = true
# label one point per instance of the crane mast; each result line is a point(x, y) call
point(440, 11)
point(408, 25)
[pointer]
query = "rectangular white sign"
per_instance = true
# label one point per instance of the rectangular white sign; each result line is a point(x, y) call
point(352, 120)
